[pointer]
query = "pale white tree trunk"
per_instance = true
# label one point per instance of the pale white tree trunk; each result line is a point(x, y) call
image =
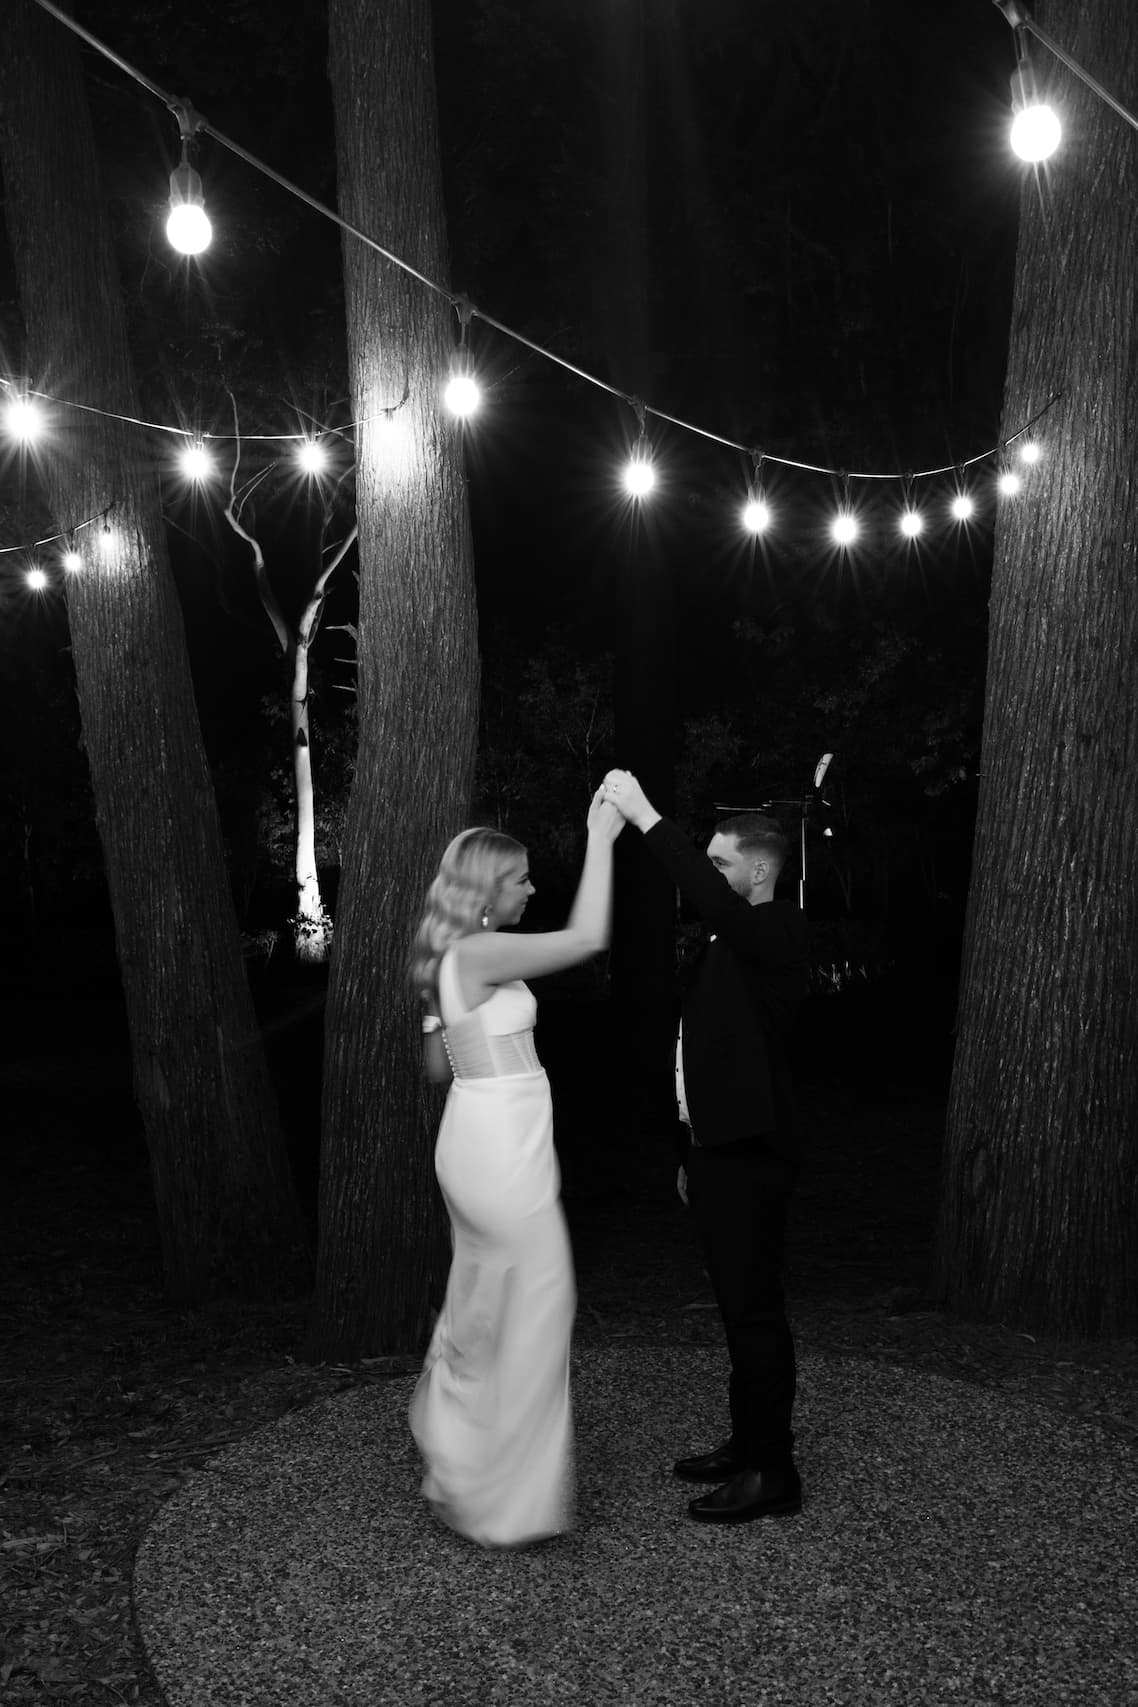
point(311, 923)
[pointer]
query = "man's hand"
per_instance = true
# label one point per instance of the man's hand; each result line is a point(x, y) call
point(626, 794)
point(603, 818)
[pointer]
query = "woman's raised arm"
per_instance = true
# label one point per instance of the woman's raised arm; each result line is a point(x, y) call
point(497, 957)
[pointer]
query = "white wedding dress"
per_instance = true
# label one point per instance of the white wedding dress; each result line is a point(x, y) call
point(490, 1412)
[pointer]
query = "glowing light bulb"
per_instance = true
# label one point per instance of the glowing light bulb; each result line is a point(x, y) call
point(962, 506)
point(187, 225)
point(1029, 451)
point(462, 395)
point(36, 580)
point(312, 457)
point(757, 516)
point(1036, 132)
point(639, 477)
point(108, 543)
point(912, 523)
point(843, 529)
point(23, 420)
point(72, 561)
point(195, 462)
point(1010, 483)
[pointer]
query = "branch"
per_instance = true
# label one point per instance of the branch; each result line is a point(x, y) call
point(260, 575)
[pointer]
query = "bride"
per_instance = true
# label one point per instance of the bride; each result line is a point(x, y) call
point(490, 1412)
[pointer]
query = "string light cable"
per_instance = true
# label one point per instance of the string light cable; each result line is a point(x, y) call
point(192, 123)
point(53, 538)
point(1019, 20)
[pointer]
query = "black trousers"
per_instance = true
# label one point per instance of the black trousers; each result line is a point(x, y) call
point(738, 1194)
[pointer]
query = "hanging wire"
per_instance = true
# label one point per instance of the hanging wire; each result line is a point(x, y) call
point(184, 112)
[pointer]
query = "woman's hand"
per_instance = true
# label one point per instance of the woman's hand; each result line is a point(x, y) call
point(603, 818)
point(626, 794)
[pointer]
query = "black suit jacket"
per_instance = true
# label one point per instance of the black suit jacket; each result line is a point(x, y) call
point(740, 1002)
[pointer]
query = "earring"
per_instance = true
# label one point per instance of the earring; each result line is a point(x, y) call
point(486, 918)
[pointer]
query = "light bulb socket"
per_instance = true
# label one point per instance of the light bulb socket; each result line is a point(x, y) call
point(186, 187)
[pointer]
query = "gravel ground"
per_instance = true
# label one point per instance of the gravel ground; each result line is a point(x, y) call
point(956, 1546)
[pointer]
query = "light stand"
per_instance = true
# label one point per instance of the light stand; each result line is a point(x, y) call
point(807, 801)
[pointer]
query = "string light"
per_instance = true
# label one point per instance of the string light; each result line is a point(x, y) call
point(108, 541)
point(192, 122)
point(756, 515)
point(962, 506)
point(312, 458)
point(1010, 483)
point(462, 395)
point(72, 561)
point(843, 528)
point(912, 523)
point(187, 226)
point(1030, 451)
point(24, 420)
point(36, 578)
point(1036, 131)
point(639, 476)
point(195, 462)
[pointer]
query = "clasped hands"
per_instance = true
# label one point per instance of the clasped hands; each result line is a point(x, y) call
point(621, 789)
point(618, 801)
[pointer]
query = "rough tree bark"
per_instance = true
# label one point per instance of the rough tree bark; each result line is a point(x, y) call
point(226, 1208)
point(1040, 1188)
point(380, 1220)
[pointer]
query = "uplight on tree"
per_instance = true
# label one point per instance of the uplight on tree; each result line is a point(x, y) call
point(187, 225)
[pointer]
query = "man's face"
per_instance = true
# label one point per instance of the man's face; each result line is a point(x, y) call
point(737, 868)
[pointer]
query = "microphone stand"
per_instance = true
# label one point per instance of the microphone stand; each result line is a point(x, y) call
point(807, 801)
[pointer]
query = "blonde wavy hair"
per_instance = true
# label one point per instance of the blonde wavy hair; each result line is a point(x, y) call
point(469, 877)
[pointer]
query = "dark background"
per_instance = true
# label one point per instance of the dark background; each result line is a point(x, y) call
point(792, 224)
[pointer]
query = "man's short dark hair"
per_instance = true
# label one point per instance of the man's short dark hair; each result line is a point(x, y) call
point(755, 833)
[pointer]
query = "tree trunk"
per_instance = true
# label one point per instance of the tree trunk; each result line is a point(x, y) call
point(226, 1209)
point(1040, 1188)
point(382, 1242)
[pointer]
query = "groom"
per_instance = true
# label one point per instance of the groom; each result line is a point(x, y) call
point(736, 1106)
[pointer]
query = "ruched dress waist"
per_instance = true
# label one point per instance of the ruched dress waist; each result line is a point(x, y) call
point(476, 1053)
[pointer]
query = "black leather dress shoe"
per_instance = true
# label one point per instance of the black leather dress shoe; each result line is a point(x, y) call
point(751, 1494)
point(712, 1467)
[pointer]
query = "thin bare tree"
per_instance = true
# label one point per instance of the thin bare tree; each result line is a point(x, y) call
point(311, 923)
